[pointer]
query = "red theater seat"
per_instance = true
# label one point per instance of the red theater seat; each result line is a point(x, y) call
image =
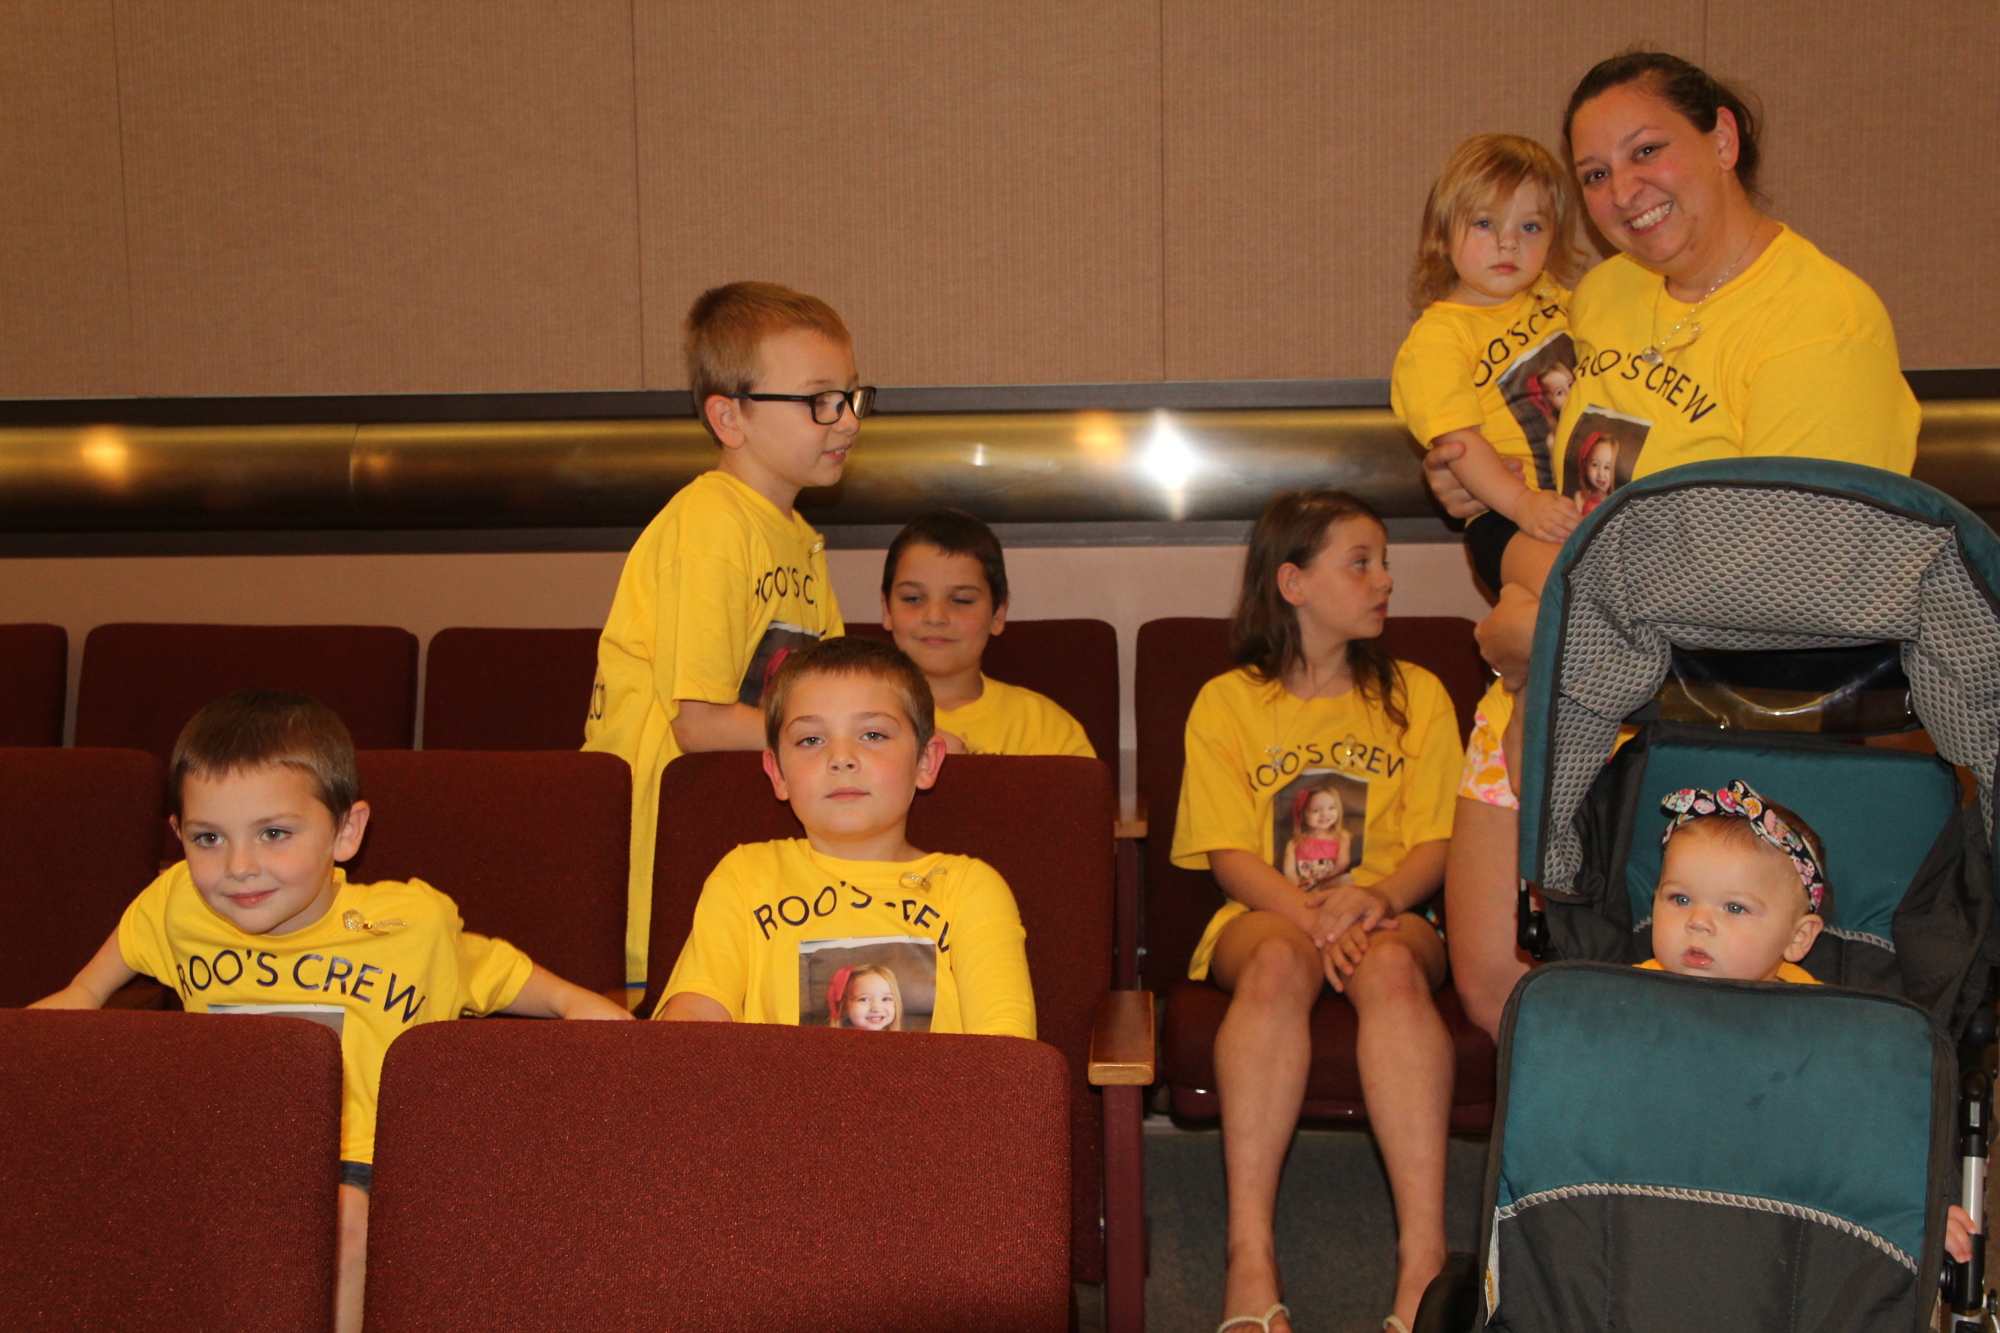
point(531, 846)
point(34, 681)
point(1074, 662)
point(79, 837)
point(575, 1177)
point(168, 1172)
point(141, 683)
point(508, 689)
point(1175, 659)
point(1046, 825)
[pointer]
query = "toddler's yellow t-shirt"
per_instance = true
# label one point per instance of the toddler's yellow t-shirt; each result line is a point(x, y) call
point(1258, 757)
point(1009, 719)
point(1791, 972)
point(1505, 370)
point(777, 921)
point(386, 957)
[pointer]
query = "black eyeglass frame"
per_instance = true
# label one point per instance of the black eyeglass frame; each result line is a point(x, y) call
point(859, 401)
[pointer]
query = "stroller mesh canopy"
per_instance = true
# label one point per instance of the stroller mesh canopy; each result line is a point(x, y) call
point(1754, 554)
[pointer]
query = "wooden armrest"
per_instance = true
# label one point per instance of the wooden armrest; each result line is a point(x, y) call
point(1131, 821)
point(1121, 1039)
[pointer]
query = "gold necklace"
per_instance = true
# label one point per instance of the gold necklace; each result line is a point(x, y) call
point(1654, 353)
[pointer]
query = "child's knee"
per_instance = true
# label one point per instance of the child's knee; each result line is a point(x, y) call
point(1280, 968)
point(1393, 971)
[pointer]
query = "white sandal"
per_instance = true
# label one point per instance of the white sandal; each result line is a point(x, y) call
point(1394, 1325)
point(1260, 1321)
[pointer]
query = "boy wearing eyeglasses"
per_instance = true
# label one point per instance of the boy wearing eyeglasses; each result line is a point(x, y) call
point(728, 580)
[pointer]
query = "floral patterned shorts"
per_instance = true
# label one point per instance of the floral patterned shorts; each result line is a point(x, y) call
point(1485, 776)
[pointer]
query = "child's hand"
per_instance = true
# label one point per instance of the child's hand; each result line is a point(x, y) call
point(954, 744)
point(1958, 1234)
point(1547, 516)
point(589, 1004)
point(1341, 957)
point(1336, 909)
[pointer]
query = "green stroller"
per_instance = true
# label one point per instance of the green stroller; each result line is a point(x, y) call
point(1672, 1153)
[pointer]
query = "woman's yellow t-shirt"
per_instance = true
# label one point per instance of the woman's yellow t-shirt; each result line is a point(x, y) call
point(718, 589)
point(1008, 719)
point(1504, 369)
point(1794, 356)
point(1268, 771)
point(777, 922)
point(385, 958)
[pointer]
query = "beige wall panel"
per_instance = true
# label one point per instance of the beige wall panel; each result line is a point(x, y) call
point(1876, 120)
point(65, 319)
point(974, 186)
point(1301, 137)
point(381, 196)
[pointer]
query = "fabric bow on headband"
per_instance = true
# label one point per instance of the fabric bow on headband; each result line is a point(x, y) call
point(1739, 801)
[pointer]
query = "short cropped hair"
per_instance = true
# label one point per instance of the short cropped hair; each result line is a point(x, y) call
point(954, 532)
point(1481, 171)
point(852, 655)
point(1737, 831)
point(726, 328)
point(256, 728)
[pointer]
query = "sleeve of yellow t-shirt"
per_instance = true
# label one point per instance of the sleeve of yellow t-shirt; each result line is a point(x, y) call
point(1431, 385)
point(1844, 399)
point(715, 960)
point(142, 931)
point(702, 642)
point(491, 973)
point(1430, 792)
point(989, 958)
point(1217, 809)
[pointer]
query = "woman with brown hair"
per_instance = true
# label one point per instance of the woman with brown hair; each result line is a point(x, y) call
point(1715, 332)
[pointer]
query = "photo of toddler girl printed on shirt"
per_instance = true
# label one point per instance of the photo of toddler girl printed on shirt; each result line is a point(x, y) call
point(1316, 837)
point(1603, 450)
point(885, 983)
point(866, 998)
point(1535, 388)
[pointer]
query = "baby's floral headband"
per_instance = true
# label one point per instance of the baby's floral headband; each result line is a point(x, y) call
point(1739, 801)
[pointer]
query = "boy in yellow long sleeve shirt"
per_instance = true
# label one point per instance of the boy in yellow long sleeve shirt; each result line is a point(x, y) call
point(728, 579)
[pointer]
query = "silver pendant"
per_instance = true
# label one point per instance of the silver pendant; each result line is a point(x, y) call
point(1651, 356)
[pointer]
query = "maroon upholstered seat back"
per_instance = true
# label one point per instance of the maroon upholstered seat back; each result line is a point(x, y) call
point(532, 846)
point(79, 837)
point(574, 1177)
point(34, 681)
point(168, 1171)
point(1044, 823)
point(508, 689)
point(141, 683)
point(1074, 662)
point(1176, 657)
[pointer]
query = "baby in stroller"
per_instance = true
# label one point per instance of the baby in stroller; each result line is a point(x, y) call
point(1742, 888)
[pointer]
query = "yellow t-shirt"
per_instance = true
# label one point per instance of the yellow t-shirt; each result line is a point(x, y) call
point(1504, 369)
point(1260, 762)
point(1786, 972)
point(1795, 357)
point(718, 589)
point(778, 922)
point(1008, 719)
point(417, 965)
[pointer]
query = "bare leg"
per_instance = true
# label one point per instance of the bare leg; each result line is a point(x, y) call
point(353, 1260)
point(1262, 1052)
point(1407, 1065)
point(1480, 882)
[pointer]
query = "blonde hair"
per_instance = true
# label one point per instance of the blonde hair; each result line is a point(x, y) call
point(726, 328)
point(1481, 171)
point(837, 1017)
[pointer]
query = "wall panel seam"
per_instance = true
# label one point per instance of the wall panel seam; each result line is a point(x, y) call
point(124, 207)
point(638, 190)
point(1160, 81)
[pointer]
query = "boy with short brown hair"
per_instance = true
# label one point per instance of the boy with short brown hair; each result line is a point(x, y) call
point(944, 594)
point(784, 930)
point(728, 579)
point(260, 919)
